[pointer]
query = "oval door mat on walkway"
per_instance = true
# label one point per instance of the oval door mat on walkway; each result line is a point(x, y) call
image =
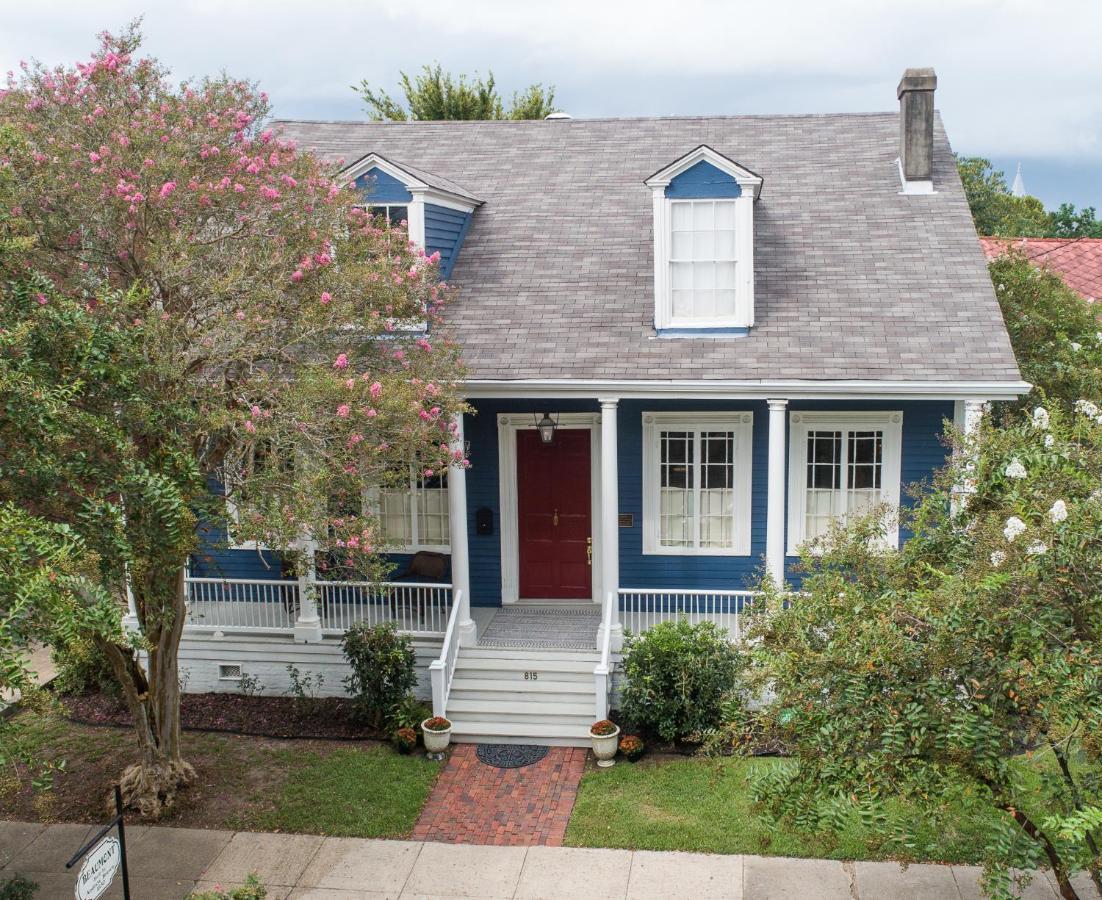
point(473, 803)
point(510, 756)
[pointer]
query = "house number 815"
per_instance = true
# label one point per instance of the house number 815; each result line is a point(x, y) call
point(531, 676)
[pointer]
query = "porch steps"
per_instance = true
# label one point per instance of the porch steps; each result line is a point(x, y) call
point(512, 695)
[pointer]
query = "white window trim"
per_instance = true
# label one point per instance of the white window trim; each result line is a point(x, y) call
point(373, 499)
point(742, 424)
point(750, 186)
point(800, 423)
point(421, 192)
point(744, 265)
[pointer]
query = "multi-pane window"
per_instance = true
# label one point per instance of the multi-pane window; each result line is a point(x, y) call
point(391, 213)
point(696, 485)
point(702, 259)
point(841, 470)
point(845, 471)
point(416, 517)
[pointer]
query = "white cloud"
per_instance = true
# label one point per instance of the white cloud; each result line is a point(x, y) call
point(1015, 80)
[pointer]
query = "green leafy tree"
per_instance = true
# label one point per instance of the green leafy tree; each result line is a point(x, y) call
point(435, 95)
point(967, 664)
point(1055, 333)
point(995, 210)
point(1067, 222)
point(185, 294)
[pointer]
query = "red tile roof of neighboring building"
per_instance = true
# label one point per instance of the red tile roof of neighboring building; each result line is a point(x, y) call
point(1077, 260)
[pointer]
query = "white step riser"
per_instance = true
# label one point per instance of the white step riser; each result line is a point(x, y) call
point(461, 709)
point(528, 656)
point(508, 696)
point(490, 664)
point(537, 724)
point(517, 676)
point(545, 740)
point(529, 688)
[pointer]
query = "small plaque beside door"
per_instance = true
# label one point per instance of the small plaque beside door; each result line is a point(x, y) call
point(627, 520)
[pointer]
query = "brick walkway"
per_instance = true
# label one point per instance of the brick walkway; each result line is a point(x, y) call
point(474, 803)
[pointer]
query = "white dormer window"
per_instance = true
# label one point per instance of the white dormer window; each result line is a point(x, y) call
point(391, 213)
point(704, 244)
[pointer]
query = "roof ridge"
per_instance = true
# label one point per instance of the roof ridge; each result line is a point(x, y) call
point(584, 119)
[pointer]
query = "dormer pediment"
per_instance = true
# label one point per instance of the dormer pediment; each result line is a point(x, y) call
point(705, 169)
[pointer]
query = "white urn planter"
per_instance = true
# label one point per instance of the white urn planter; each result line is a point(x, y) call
point(604, 747)
point(436, 741)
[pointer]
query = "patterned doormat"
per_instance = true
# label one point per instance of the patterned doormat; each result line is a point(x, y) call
point(510, 756)
point(543, 627)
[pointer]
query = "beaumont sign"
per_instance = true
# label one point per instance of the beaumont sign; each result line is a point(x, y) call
point(99, 869)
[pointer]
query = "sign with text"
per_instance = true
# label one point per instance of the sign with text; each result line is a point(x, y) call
point(98, 871)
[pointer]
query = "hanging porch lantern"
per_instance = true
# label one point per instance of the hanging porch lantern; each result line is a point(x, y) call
point(546, 428)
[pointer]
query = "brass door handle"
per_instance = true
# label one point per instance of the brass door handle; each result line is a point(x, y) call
point(555, 518)
point(589, 551)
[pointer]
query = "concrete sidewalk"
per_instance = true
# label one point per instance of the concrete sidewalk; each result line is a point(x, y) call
point(168, 863)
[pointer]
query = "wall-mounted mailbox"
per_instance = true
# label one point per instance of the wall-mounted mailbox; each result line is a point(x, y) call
point(484, 521)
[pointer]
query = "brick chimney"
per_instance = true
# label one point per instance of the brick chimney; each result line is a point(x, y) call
point(916, 130)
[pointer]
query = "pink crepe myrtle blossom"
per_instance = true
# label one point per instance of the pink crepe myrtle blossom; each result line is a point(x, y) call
point(343, 410)
point(296, 276)
point(250, 427)
point(375, 390)
point(341, 362)
point(167, 188)
point(255, 411)
point(326, 297)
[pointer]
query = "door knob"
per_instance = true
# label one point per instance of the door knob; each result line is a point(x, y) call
point(589, 551)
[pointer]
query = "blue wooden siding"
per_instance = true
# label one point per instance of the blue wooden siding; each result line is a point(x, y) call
point(703, 180)
point(444, 232)
point(215, 559)
point(922, 453)
point(379, 187)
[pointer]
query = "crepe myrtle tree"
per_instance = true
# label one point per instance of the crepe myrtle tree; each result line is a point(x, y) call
point(254, 323)
point(965, 666)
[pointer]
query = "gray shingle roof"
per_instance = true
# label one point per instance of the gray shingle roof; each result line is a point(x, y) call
point(853, 280)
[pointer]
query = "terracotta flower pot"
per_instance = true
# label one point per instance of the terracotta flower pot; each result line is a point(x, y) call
point(604, 747)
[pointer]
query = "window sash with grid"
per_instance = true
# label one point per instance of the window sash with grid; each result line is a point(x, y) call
point(416, 517)
point(702, 259)
point(696, 507)
point(845, 476)
point(393, 213)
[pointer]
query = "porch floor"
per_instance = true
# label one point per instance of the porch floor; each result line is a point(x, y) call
point(565, 627)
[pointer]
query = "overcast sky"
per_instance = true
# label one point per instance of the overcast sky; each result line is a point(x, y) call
point(1018, 81)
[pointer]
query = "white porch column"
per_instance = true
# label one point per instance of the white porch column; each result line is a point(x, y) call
point(130, 620)
point(967, 416)
point(774, 533)
point(457, 527)
point(610, 516)
point(308, 623)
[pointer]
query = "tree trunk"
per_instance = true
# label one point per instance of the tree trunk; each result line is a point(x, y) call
point(1067, 891)
point(153, 696)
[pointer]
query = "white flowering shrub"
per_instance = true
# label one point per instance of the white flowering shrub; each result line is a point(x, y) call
point(968, 663)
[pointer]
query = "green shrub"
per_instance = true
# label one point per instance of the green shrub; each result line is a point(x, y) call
point(382, 664)
point(252, 889)
point(82, 668)
point(409, 713)
point(677, 676)
point(18, 888)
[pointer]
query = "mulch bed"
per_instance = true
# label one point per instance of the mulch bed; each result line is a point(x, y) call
point(328, 718)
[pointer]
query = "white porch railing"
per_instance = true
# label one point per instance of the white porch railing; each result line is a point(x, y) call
point(643, 608)
point(442, 669)
point(247, 604)
point(416, 607)
point(602, 673)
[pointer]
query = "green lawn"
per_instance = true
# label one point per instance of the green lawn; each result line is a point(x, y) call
point(349, 792)
point(705, 805)
point(356, 789)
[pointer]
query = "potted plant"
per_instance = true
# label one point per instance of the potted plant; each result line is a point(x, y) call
point(405, 739)
point(604, 735)
point(437, 732)
point(632, 747)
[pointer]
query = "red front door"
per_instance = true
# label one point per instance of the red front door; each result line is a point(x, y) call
point(553, 506)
